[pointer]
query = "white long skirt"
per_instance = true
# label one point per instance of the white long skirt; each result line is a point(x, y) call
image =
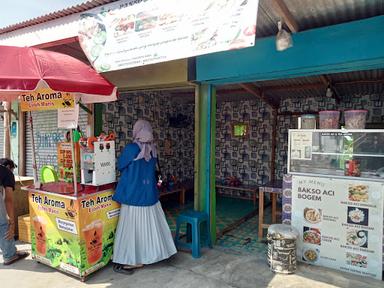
point(142, 236)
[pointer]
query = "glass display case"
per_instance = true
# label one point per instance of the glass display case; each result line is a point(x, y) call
point(341, 153)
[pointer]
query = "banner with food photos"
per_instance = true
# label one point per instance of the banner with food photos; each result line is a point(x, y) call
point(131, 33)
point(340, 223)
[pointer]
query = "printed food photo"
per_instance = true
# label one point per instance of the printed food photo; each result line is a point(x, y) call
point(357, 215)
point(312, 215)
point(312, 236)
point(356, 260)
point(310, 255)
point(357, 238)
point(358, 193)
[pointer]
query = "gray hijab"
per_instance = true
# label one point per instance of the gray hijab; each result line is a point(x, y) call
point(143, 136)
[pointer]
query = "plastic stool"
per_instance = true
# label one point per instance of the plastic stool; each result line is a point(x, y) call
point(194, 219)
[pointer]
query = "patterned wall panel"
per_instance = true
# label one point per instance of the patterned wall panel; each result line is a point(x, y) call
point(372, 103)
point(245, 158)
point(156, 107)
point(248, 159)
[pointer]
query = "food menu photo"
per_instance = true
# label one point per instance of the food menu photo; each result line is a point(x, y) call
point(311, 236)
point(340, 223)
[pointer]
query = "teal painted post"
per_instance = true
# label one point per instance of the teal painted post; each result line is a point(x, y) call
point(207, 180)
point(205, 154)
point(212, 175)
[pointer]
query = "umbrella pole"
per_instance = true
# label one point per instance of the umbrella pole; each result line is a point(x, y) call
point(73, 164)
point(34, 166)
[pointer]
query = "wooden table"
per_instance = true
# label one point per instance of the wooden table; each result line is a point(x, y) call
point(247, 188)
point(274, 188)
point(177, 189)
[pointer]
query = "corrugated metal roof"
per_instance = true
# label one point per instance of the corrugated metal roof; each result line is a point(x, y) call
point(55, 15)
point(358, 75)
point(318, 13)
point(308, 14)
point(367, 82)
point(290, 81)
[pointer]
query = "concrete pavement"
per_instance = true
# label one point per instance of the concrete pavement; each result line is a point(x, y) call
point(217, 268)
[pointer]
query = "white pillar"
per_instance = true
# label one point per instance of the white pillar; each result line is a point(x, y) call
point(7, 134)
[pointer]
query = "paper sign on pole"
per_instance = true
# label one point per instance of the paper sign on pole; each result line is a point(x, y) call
point(46, 99)
point(68, 118)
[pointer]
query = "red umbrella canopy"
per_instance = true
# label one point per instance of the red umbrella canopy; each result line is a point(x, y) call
point(23, 69)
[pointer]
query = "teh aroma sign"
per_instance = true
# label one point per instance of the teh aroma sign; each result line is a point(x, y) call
point(46, 99)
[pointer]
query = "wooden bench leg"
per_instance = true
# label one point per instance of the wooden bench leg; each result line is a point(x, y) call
point(182, 196)
point(261, 215)
point(274, 203)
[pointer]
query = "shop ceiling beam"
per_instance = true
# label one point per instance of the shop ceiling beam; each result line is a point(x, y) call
point(267, 89)
point(293, 87)
point(281, 8)
point(320, 85)
point(57, 42)
point(78, 51)
point(352, 46)
point(252, 89)
point(357, 82)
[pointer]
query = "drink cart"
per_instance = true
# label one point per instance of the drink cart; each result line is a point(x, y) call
point(75, 232)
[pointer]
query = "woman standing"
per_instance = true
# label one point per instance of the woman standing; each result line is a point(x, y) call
point(143, 235)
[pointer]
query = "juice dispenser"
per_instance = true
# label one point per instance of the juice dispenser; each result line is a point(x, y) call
point(98, 162)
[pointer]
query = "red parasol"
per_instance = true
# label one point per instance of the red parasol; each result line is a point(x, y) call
point(27, 69)
point(23, 69)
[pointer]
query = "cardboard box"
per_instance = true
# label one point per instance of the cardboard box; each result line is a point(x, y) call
point(24, 223)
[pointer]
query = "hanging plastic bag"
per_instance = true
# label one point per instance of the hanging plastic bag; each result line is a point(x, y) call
point(283, 38)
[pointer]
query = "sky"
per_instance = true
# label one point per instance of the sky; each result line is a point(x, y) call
point(15, 11)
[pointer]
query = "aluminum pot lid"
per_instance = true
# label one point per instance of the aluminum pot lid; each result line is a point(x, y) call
point(283, 231)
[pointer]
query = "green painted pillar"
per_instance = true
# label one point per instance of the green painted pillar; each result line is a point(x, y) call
point(205, 138)
point(98, 118)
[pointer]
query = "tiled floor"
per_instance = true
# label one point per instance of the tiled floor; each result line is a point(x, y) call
point(228, 211)
point(242, 238)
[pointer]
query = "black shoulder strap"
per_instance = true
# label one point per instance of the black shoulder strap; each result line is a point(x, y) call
point(158, 164)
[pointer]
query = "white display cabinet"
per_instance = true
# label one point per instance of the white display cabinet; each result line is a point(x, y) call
point(337, 153)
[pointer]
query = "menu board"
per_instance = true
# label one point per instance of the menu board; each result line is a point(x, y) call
point(133, 33)
point(301, 145)
point(340, 223)
point(64, 161)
